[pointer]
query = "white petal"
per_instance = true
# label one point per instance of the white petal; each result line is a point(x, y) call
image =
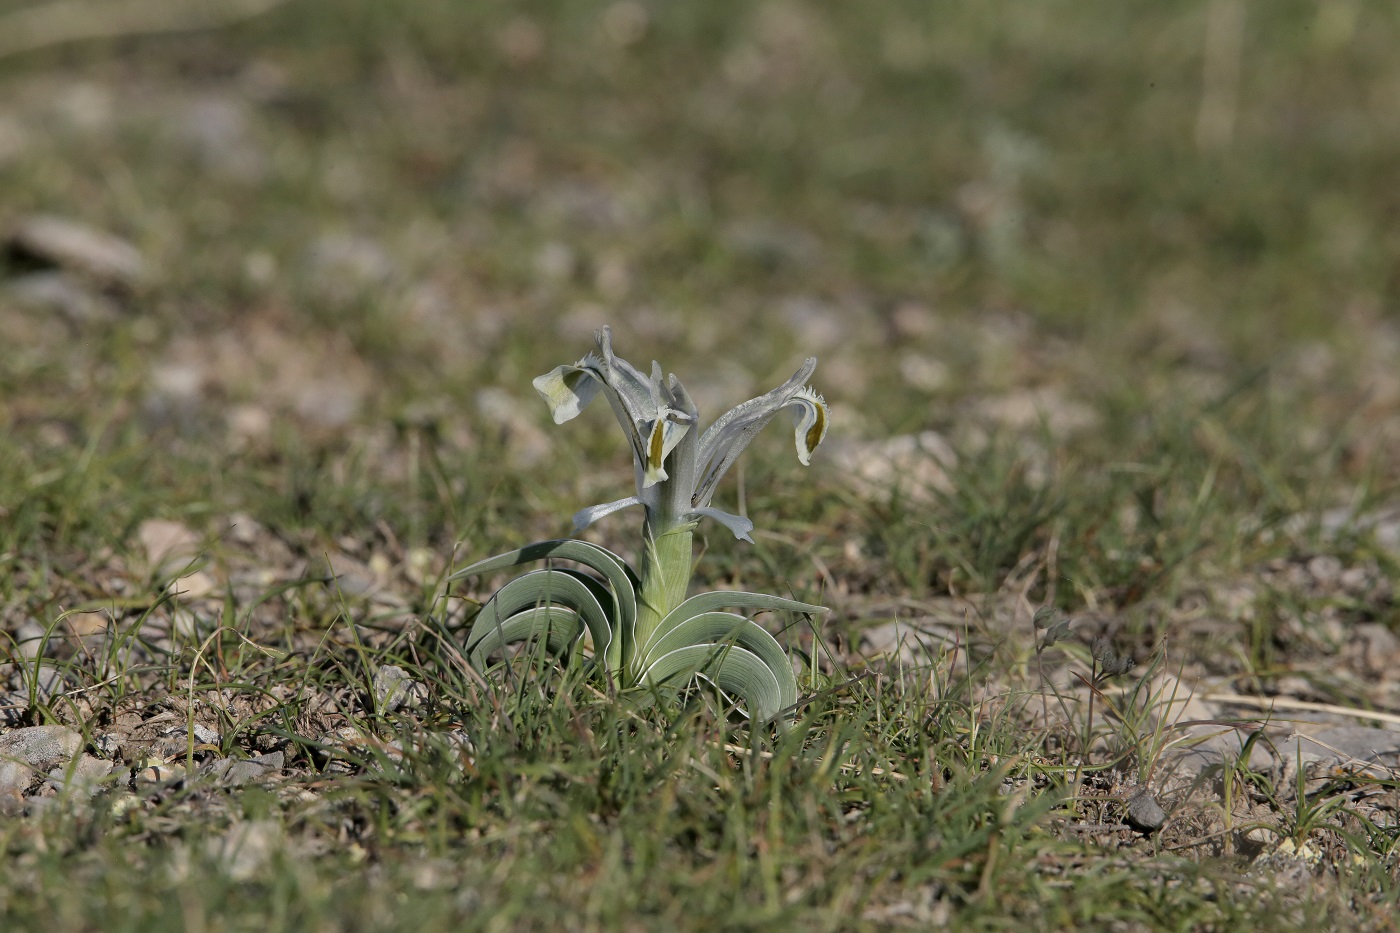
point(666, 432)
point(726, 439)
point(634, 391)
point(585, 517)
point(567, 389)
point(738, 524)
point(810, 417)
point(762, 407)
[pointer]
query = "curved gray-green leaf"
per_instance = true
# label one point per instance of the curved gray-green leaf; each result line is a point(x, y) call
point(568, 589)
point(724, 599)
point(729, 667)
point(613, 569)
point(721, 628)
point(598, 558)
point(560, 627)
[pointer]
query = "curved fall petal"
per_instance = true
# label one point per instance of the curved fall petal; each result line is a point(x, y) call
point(585, 517)
point(810, 418)
point(726, 439)
point(568, 389)
point(738, 524)
point(762, 407)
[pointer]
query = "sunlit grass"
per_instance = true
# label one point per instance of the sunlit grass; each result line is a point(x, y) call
point(1162, 356)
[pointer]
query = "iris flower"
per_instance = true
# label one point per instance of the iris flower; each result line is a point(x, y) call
point(645, 631)
point(661, 422)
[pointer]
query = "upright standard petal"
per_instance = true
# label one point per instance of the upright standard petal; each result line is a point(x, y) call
point(643, 405)
point(638, 394)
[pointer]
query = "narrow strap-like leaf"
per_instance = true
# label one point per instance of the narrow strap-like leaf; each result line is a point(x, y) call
point(619, 576)
point(723, 628)
point(724, 599)
point(564, 588)
point(729, 667)
point(559, 626)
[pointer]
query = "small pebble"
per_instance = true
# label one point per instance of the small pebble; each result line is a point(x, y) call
point(1145, 814)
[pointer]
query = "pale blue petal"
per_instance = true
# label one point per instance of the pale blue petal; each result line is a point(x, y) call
point(726, 439)
point(585, 517)
point(762, 407)
point(738, 524)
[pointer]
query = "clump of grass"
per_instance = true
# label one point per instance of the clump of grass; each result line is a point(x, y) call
point(950, 205)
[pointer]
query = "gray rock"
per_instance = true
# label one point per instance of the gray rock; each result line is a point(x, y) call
point(1212, 746)
point(343, 263)
point(463, 744)
point(1318, 747)
point(169, 546)
point(218, 130)
point(83, 777)
point(205, 735)
point(232, 772)
point(1034, 409)
point(918, 466)
point(47, 682)
point(394, 689)
point(1357, 749)
point(37, 805)
point(68, 244)
point(15, 138)
point(914, 642)
point(12, 707)
point(345, 574)
point(1379, 647)
point(24, 751)
point(109, 744)
point(155, 771)
point(1145, 814)
point(773, 244)
point(1382, 524)
point(11, 802)
point(245, 772)
point(30, 639)
point(63, 294)
point(526, 444)
point(14, 779)
point(40, 746)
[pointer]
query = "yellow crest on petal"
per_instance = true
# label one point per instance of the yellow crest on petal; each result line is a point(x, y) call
point(811, 418)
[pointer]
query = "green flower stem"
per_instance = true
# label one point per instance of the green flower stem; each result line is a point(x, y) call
point(665, 577)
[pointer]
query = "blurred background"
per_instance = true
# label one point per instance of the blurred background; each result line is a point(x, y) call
point(277, 256)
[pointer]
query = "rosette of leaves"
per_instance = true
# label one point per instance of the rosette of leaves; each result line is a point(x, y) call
point(645, 632)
